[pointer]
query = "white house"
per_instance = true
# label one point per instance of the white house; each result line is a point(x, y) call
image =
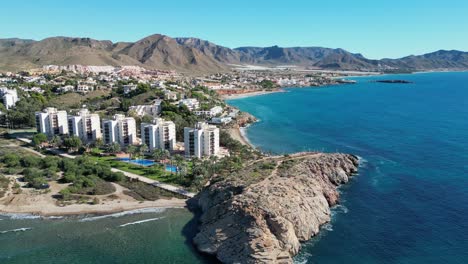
point(191, 103)
point(209, 113)
point(129, 88)
point(83, 88)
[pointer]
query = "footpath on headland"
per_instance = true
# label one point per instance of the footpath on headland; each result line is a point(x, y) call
point(164, 186)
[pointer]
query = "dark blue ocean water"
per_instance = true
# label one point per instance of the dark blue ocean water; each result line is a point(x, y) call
point(409, 203)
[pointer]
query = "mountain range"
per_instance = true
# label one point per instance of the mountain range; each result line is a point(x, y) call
point(197, 56)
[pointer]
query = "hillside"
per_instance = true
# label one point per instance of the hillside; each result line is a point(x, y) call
point(197, 56)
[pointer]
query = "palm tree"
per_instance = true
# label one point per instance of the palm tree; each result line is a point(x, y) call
point(143, 149)
point(158, 154)
point(113, 148)
point(132, 150)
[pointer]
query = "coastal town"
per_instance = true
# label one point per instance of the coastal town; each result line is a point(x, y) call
point(168, 130)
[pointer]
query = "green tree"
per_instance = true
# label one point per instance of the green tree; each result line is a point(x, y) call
point(72, 143)
point(38, 139)
point(113, 148)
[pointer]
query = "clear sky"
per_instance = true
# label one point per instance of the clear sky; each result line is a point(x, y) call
point(375, 28)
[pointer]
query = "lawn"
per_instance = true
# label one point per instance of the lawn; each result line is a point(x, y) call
point(155, 172)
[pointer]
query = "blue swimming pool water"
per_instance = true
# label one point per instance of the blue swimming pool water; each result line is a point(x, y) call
point(147, 163)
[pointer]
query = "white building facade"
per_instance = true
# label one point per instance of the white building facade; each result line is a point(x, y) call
point(121, 130)
point(85, 125)
point(153, 109)
point(52, 122)
point(9, 97)
point(160, 134)
point(191, 103)
point(201, 141)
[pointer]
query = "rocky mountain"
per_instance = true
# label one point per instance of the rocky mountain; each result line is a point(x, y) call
point(196, 55)
point(265, 220)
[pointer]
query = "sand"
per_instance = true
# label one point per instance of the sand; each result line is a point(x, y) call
point(238, 135)
point(248, 94)
point(43, 202)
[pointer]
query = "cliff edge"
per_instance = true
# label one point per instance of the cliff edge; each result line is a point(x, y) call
point(262, 213)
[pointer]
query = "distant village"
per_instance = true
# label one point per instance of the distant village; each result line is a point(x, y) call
point(134, 124)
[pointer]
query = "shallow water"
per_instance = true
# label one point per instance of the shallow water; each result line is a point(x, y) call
point(140, 236)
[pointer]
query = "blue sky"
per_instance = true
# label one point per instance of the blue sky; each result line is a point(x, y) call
point(375, 28)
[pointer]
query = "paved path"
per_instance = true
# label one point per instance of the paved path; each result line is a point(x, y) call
point(161, 185)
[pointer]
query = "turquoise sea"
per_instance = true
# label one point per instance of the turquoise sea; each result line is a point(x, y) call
point(409, 203)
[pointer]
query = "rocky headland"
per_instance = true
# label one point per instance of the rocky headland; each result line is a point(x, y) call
point(262, 213)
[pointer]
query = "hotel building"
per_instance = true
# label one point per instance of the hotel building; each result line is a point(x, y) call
point(85, 125)
point(52, 122)
point(121, 130)
point(160, 134)
point(201, 141)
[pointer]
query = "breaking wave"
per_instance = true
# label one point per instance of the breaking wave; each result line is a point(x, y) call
point(23, 229)
point(137, 211)
point(141, 221)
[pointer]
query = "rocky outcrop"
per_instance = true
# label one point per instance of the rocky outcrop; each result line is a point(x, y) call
point(266, 221)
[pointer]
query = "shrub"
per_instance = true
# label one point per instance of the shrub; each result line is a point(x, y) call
point(11, 160)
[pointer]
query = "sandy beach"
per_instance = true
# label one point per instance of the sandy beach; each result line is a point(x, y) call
point(37, 202)
point(249, 94)
point(238, 135)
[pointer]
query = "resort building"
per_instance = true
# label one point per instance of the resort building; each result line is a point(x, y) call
point(121, 130)
point(201, 141)
point(9, 97)
point(191, 103)
point(160, 134)
point(52, 122)
point(85, 125)
point(209, 113)
point(153, 109)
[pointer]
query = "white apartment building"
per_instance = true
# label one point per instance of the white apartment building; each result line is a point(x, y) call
point(201, 141)
point(191, 103)
point(85, 125)
point(9, 97)
point(160, 134)
point(52, 122)
point(153, 109)
point(121, 130)
point(209, 113)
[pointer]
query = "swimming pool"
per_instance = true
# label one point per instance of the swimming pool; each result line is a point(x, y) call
point(147, 163)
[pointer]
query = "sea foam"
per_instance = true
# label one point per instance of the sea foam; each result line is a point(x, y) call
point(141, 221)
point(23, 229)
point(137, 211)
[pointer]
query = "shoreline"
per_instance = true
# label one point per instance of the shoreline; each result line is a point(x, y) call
point(84, 209)
point(240, 135)
point(250, 94)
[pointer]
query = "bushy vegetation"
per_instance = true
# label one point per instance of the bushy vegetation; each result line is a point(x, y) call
point(84, 175)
